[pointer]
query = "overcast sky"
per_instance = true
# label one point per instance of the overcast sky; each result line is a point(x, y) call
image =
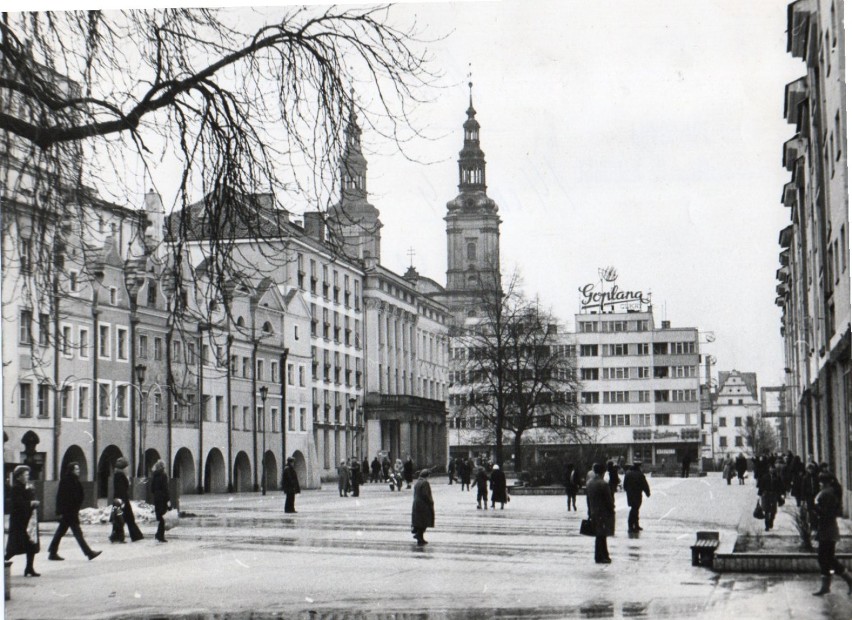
point(641, 135)
point(646, 136)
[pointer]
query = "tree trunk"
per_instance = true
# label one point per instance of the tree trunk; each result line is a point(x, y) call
point(519, 461)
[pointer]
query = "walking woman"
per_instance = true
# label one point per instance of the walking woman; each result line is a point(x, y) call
point(162, 503)
point(121, 490)
point(498, 487)
point(601, 507)
point(423, 508)
point(570, 483)
point(828, 508)
point(23, 520)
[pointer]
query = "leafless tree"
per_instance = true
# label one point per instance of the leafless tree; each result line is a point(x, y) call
point(759, 435)
point(245, 103)
point(517, 375)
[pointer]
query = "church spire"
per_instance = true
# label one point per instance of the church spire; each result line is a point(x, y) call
point(471, 157)
point(353, 167)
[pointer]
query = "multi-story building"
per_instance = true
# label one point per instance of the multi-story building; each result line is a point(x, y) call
point(735, 408)
point(640, 389)
point(813, 277)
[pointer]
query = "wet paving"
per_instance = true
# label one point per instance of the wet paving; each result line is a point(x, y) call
point(354, 558)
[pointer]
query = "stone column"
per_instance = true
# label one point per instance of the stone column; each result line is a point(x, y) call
point(405, 443)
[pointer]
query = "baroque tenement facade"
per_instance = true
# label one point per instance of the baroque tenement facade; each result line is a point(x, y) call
point(813, 278)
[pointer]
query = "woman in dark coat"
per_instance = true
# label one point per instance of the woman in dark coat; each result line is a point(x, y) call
point(498, 486)
point(423, 508)
point(481, 488)
point(465, 471)
point(162, 503)
point(290, 485)
point(121, 491)
point(828, 508)
point(408, 472)
point(23, 505)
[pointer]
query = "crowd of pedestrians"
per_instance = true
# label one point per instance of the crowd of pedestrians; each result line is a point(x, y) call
point(23, 536)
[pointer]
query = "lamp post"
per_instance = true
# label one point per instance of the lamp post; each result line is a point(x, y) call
point(263, 391)
point(354, 418)
point(140, 379)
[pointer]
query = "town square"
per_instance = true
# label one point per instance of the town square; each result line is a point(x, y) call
point(431, 309)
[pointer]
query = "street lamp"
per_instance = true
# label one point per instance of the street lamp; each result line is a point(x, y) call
point(263, 391)
point(140, 379)
point(354, 417)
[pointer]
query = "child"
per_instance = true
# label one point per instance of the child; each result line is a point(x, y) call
point(116, 517)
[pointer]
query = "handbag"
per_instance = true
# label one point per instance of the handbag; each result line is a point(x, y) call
point(32, 528)
point(171, 519)
point(758, 511)
point(586, 528)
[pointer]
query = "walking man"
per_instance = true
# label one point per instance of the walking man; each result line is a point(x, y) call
point(69, 500)
point(290, 485)
point(635, 484)
point(828, 508)
point(741, 465)
point(770, 488)
point(601, 507)
point(481, 482)
point(408, 471)
point(687, 461)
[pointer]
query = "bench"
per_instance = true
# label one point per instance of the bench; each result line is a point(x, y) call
point(704, 548)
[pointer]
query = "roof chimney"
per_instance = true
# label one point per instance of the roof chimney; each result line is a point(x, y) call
point(314, 226)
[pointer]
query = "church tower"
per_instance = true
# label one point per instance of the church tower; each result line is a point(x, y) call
point(354, 222)
point(473, 229)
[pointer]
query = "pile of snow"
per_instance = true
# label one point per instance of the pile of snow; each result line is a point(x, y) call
point(143, 511)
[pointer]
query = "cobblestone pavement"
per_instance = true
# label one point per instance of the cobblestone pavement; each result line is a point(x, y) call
point(341, 558)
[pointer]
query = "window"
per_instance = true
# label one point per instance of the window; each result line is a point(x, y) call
point(644, 396)
point(274, 377)
point(290, 374)
point(661, 396)
point(273, 419)
point(66, 341)
point(588, 350)
point(142, 350)
point(291, 418)
point(83, 402)
point(738, 441)
point(176, 351)
point(220, 407)
point(103, 400)
point(683, 348)
point(643, 372)
point(103, 341)
point(616, 373)
point(303, 419)
point(152, 293)
point(205, 354)
point(246, 366)
point(738, 421)
point(25, 403)
point(121, 343)
point(65, 402)
point(190, 353)
point(661, 419)
point(739, 401)
point(245, 418)
point(234, 416)
point(25, 335)
point(589, 374)
point(723, 422)
point(300, 271)
point(43, 329)
point(589, 398)
point(313, 277)
point(158, 349)
point(325, 283)
point(121, 401)
point(259, 374)
point(26, 254)
point(301, 376)
point(471, 251)
point(615, 397)
point(723, 442)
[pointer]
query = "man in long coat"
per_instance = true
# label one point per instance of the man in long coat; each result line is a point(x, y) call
point(741, 465)
point(601, 512)
point(635, 484)
point(290, 485)
point(408, 472)
point(69, 500)
point(423, 508)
